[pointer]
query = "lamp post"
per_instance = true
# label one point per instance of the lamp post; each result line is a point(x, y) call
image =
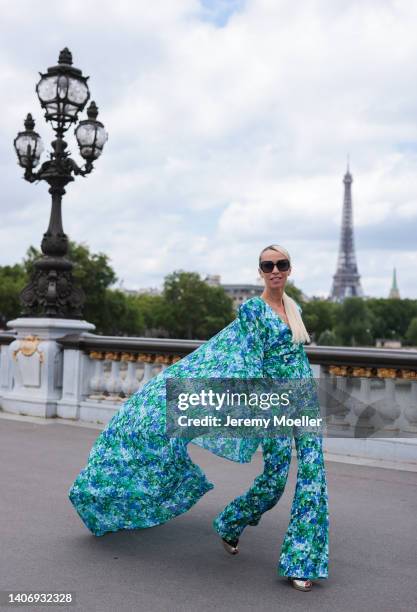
point(63, 93)
point(39, 383)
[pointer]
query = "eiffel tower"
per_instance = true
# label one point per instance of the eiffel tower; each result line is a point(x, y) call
point(346, 281)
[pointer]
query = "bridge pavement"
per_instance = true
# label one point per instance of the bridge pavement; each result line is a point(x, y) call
point(180, 566)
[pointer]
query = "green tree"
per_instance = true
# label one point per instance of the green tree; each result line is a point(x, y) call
point(196, 310)
point(411, 333)
point(328, 338)
point(355, 323)
point(155, 312)
point(391, 316)
point(319, 316)
point(119, 315)
point(294, 292)
point(12, 281)
point(219, 312)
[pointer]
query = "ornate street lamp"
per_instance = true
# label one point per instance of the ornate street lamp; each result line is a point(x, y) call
point(63, 93)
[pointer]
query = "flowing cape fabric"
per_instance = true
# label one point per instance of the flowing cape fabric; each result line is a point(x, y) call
point(242, 354)
point(136, 475)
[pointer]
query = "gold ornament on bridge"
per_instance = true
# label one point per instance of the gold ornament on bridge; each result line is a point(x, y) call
point(338, 370)
point(362, 372)
point(96, 355)
point(388, 373)
point(145, 357)
point(112, 356)
point(28, 346)
point(165, 359)
point(409, 374)
point(368, 372)
point(128, 357)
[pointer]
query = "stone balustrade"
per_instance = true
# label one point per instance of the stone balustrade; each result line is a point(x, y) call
point(371, 393)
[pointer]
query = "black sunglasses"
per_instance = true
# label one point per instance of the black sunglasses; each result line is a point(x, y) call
point(282, 264)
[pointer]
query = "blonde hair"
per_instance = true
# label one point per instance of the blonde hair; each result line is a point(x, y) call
point(299, 332)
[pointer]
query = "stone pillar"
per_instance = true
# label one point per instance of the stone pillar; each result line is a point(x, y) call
point(5, 365)
point(36, 361)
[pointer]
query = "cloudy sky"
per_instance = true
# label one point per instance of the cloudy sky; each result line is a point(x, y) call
point(229, 126)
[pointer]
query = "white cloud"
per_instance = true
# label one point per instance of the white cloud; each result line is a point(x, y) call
point(224, 139)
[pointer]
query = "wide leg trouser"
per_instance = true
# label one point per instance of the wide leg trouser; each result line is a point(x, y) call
point(305, 549)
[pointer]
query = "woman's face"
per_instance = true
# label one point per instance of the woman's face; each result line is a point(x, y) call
point(276, 278)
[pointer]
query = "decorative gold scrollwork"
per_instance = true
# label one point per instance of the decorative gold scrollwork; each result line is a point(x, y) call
point(28, 346)
point(96, 355)
point(164, 359)
point(112, 356)
point(368, 372)
point(145, 357)
point(338, 370)
point(410, 374)
point(387, 373)
point(362, 372)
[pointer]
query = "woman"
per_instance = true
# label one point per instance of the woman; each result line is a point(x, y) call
point(136, 476)
point(304, 553)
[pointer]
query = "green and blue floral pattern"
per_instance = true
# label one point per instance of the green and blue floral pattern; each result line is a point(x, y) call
point(136, 476)
point(305, 550)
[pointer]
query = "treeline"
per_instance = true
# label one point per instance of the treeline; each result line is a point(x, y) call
point(189, 308)
point(361, 322)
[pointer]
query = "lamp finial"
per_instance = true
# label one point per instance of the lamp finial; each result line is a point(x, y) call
point(65, 57)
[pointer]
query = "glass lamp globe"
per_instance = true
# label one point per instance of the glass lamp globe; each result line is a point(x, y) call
point(91, 135)
point(63, 92)
point(28, 145)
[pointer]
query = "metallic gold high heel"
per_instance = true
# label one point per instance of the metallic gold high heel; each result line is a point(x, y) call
point(231, 547)
point(300, 584)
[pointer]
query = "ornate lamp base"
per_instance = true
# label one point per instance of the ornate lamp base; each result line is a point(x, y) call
point(35, 365)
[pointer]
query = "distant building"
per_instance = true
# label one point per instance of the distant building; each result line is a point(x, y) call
point(238, 292)
point(142, 291)
point(392, 344)
point(394, 292)
point(213, 280)
point(241, 293)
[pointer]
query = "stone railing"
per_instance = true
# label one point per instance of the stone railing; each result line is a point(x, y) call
point(93, 375)
point(109, 369)
point(378, 388)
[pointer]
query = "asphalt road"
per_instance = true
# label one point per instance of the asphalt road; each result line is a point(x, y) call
point(181, 566)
